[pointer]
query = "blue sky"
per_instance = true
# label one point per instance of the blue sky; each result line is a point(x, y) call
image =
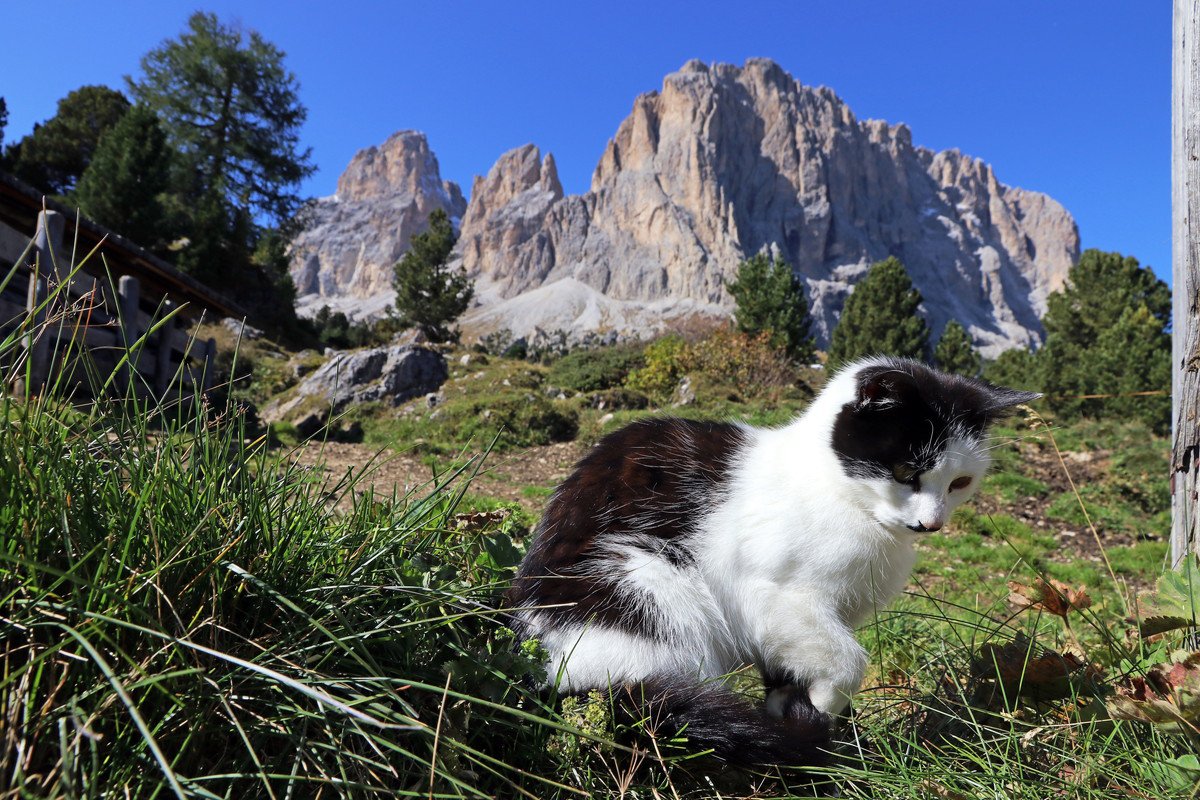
point(1067, 97)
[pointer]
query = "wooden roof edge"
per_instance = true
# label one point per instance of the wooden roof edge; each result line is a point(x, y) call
point(192, 289)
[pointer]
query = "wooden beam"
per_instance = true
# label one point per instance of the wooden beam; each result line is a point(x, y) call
point(1185, 257)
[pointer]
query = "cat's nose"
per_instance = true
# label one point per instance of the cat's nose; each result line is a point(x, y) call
point(932, 525)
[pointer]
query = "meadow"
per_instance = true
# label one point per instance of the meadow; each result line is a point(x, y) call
point(189, 608)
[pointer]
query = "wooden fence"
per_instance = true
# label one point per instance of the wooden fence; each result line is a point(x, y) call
point(82, 333)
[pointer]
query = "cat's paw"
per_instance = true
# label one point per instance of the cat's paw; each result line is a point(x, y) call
point(792, 702)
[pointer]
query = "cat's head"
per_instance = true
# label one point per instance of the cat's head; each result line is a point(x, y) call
point(915, 438)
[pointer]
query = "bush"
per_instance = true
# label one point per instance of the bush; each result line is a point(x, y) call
point(593, 370)
point(752, 364)
point(666, 361)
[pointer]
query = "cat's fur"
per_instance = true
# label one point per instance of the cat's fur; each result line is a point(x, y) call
point(678, 551)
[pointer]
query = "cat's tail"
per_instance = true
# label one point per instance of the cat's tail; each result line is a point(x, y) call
point(710, 716)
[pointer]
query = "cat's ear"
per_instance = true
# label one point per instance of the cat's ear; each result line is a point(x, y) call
point(883, 389)
point(999, 400)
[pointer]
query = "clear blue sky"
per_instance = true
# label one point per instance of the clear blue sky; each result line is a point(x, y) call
point(1070, 97)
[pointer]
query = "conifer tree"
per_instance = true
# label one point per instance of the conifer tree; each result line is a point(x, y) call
point(3, 118)
point(955, 353)
point(429, 294)
point(231, 112)
point(880, 317)
point(1106, 333)
point(54, 156)
point(770, 297)
point(229, 104)
point(130, 172)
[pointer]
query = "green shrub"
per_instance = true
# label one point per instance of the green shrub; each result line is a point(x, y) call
point(751, 363)
point(593, 370)
point(666, 362)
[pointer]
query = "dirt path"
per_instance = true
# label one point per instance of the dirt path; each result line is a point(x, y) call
point(526, 476)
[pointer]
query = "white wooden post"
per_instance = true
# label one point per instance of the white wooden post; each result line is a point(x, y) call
point(1185, 255)
point(47, 248)
point(128, 297)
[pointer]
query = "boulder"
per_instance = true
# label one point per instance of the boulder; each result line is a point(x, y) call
point(390, 374)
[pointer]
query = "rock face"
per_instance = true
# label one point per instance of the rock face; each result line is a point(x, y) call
point(345, 255)
point(391, 374)
point(727, 161)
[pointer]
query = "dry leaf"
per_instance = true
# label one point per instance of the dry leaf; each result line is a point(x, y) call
point(1168, 696)
point(1020, 669)
point(1052, 596)
point(480, 519)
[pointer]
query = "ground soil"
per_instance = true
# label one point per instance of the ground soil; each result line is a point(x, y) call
point(505, 476)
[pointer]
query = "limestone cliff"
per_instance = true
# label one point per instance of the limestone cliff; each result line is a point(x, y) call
point(725, 161)
point(350, 242)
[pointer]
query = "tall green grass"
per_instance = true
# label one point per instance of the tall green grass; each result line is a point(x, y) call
point(184, 612)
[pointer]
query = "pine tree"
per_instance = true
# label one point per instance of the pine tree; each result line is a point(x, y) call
point(429, 294)
point(232, 114)
point(231, 107)
point(3, 119)
point(123, 186)
point(770, 297)
point(955, 353)
point(1106, 333)
point(55, 155)
point(880, 317)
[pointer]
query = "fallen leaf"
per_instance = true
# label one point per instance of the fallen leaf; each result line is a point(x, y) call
point(1021, 670)
point(1052, 596)
point(1167, 696)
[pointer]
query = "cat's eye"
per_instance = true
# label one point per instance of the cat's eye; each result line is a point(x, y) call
point(960, 483)
point(903, 473)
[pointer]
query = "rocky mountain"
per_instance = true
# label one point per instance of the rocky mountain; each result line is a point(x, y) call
point(720, 164)
point(350, 241)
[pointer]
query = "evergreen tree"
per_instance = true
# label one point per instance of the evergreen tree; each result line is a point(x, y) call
point(230, 111)
point(770, 297)
point(880, 317)
point(1016, 367)
point(3, 119)
point(1106, 333)
point(55, 155)
point(231, 108)
point(955, 353)
point(123, 186)
point(429, 294)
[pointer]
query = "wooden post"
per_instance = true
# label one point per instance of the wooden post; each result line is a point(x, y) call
point(162, 362)
point(47, 244)
point(1185, 255)
point(36, 343)
point(128, 295)
point(210, 362)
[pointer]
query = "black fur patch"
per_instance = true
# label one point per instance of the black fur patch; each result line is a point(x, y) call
point(905, 413)
point(655, 479)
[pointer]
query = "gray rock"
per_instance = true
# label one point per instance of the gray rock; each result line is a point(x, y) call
point(685, 394)
point(388, 374)
point(240, 329)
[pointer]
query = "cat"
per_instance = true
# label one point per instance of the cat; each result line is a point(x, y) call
point(679, 551)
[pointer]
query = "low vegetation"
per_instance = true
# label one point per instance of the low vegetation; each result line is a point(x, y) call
point(186, 611)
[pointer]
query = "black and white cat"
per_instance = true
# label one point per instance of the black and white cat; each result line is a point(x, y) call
point(679, 551)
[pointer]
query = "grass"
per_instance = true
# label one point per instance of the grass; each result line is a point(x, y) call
point(184, 612)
